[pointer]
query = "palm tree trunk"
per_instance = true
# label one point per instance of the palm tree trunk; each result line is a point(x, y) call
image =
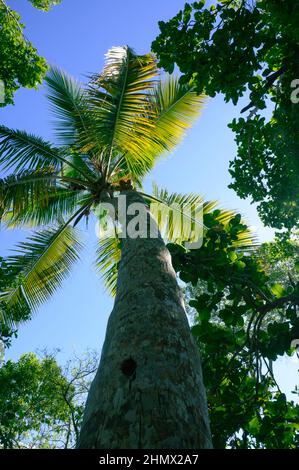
point(148, 392)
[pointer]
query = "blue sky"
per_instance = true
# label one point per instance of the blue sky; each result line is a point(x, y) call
point(75, 36)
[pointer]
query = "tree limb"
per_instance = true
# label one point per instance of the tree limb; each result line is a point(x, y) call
point(270, 80)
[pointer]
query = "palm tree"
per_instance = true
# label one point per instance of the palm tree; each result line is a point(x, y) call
point(148, 391)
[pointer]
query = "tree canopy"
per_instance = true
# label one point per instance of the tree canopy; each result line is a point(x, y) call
point(245, 316)
point(241, 47)
point(20, 63)
point(41, 403)
point(106, 146)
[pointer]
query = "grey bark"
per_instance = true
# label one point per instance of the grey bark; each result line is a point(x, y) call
point(148, 392)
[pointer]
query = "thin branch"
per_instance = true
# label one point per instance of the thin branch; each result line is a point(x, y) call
point(270, 80)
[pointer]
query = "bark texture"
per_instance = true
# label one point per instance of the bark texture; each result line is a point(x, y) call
point(148, 392)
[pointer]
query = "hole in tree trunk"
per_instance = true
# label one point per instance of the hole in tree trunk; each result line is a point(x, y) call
point(128, 367)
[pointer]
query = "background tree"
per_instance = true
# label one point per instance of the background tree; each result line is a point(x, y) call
point(41, 403)
point(246, 315)
point(232, 47)
point(20, 64)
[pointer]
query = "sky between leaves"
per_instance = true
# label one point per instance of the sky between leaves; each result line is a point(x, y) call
point(75, 36)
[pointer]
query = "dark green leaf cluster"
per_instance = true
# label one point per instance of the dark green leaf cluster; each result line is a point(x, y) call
point(240, 47)
point(20, 64)
point(244, 320)
point(7, 280)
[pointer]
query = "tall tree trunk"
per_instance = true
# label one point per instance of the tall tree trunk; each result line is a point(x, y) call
point(148, 391)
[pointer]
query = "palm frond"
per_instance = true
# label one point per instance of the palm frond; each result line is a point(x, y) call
point(176, 107)
point(73, 123)
point(42, 263)
point(33, 198)
point(108, 255)
point(22, 151)
point(119, 100)
point(17, 191)
point(45, 210)
point(172, 109)
point(77, 165)
point(178, 216)
point(180, 219)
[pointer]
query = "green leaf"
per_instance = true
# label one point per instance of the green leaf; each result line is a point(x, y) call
point(278, 290)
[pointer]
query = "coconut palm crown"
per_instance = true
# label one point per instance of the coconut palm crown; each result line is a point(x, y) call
point(109, 135)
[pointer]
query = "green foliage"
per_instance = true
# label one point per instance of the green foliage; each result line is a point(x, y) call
point(41, 264)
point(41, 404)
point(238, 46)
point(21, 66)
point(30, 398)
point(244, 320)
point(44, 5)
point(280, 260)
point(7, 278)
point(179, 220)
